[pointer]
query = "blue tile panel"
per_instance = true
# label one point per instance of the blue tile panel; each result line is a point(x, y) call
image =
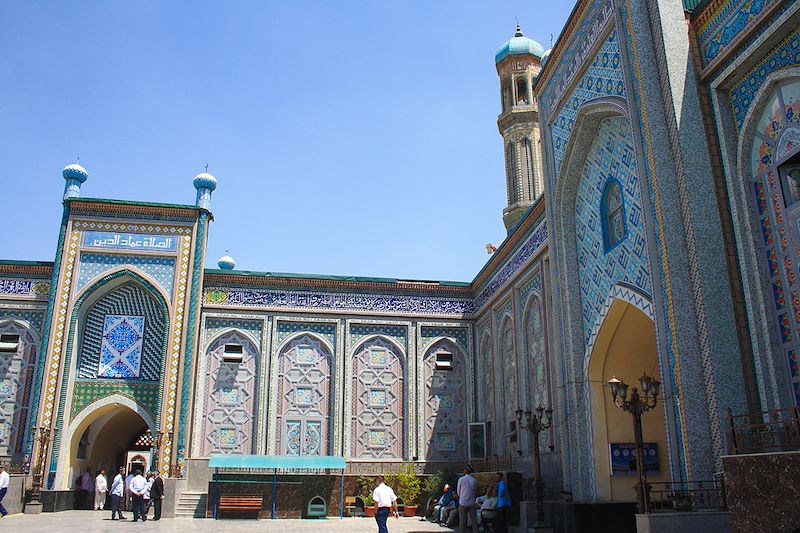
point(603, 77)
point(786, 54)
point(133, 300)
point(429, 333)
point(360, 331)
point(34, 318)
point(611, 156)
point(161, 269)
point(729, 21)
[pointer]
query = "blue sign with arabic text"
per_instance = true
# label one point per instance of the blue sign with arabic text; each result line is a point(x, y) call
point(130, 241)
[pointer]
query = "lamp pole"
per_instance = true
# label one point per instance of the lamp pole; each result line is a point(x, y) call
point(637, 405)
point(41, 437)
point(537, 421)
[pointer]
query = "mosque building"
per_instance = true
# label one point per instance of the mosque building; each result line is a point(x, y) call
point(652, 165)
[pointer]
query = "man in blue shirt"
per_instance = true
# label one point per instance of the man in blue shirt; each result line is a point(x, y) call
point(117, 489)
point(444, 502)
point(503, 505)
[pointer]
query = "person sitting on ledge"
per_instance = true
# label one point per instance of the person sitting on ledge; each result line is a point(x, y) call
point(444, 502)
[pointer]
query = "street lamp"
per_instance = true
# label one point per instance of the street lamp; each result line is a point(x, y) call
point(41, 436)
point(535, 423)
point(636, 406)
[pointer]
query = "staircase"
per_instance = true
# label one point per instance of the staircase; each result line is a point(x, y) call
point(192, 505)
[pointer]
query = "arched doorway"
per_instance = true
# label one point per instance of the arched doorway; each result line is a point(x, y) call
point(106, 435)
point(625, 347)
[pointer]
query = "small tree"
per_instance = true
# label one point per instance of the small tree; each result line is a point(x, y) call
point(409, 485)
point(365, 486)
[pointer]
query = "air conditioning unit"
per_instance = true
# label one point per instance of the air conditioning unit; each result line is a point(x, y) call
point(9, 343)
point(233, 353)
point(444, 360)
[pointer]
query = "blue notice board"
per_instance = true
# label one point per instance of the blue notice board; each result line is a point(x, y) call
point(623, 458)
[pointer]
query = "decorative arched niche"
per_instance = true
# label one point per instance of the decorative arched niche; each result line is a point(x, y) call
point(18, 349)
point(304, 397)
point(445, 401)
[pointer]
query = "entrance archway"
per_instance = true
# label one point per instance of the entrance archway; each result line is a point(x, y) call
point(105, 435)
point(625, 346)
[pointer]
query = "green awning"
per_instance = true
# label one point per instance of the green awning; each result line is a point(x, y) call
point(277, 462)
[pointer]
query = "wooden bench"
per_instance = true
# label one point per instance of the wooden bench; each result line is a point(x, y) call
point(240, 503)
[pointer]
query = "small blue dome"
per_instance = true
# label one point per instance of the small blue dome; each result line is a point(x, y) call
point(226, 262)
point(75, 172)
point(519, 45)
point(205, 181)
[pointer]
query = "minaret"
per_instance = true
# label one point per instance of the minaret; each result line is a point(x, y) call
point(518, 63)
point(74, 175)
point(205, 184)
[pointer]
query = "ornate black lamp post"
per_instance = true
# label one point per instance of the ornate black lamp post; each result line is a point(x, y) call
point(41, 436)
point(535, 423)
point(636, 406)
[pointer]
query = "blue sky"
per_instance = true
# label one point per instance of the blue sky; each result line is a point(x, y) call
point(353, 137)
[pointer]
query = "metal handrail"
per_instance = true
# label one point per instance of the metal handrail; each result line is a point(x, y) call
point(776, 430)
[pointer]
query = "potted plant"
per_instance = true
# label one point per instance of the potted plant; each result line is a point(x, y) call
point(365, 486)
point(409, 488)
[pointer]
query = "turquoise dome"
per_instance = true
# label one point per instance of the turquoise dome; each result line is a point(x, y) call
point(75, 172)
point(205, 181)
point(519, 45)
point(226, 262)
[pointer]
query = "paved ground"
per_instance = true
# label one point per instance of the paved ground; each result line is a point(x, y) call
point(84, 521)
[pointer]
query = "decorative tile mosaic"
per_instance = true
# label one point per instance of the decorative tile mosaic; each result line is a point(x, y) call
point(34, 318)
point(603, 77)
point(431, 333)
point(378, 357)
point(216, 325)
point(325, 330)
point(445, 442)
point(445, 404)
point(16, 381)
point(730, 19)
point(301, 300)
point(121, 347)
point(228, 437)
point(742, 93)
point(304, 397)
point(161, 269)
point(377, 398)
point(535, 242)
point(86, 393)
point(535, 284)
point(129, 299)
point(591, 29)
point(611, 155)
point(36, 288)
point(361, 331)
point(377, 438)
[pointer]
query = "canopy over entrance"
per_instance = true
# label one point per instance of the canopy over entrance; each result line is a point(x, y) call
point(277, 462)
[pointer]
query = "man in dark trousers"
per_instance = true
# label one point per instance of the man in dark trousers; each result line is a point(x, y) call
point(157, 494)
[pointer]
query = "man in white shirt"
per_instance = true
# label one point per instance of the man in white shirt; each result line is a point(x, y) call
point(467, 490)
point(138, 486)
point(386, 502)
point(117, 490)
point(4, 480)
point(100, 489)
point(126, 503)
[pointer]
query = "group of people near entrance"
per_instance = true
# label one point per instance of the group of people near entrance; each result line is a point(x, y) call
point(134, 492)
point(485, 512)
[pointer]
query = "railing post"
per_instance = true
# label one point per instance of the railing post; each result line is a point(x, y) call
point(732, 427)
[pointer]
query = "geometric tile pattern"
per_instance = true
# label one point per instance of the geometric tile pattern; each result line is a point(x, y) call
point(603, 77)
point(34, 318)
point(161, 269)
point(775, 141)
point(121, 348)
point(509, 392)
point(726, 24)
point(287, 329)
point(304, 397)
point(127, 314)
point(359, 331)
point(86, 392)
point(445, 404)
point(377, 428)
point(231, 398)
point(786, 54)
point(16, 377)
point(611, 156)
point(430, 333)
point(215, 326)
